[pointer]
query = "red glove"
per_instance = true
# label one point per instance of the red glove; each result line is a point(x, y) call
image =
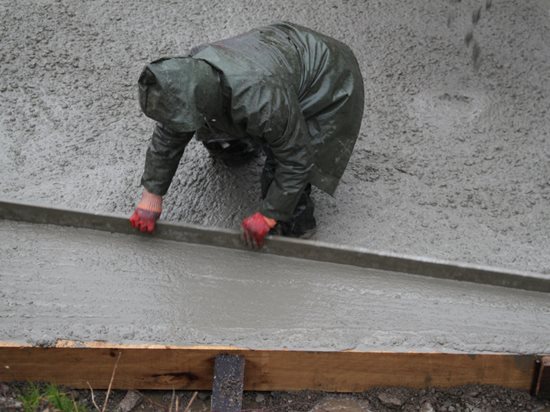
point(147, 212)
point(255, 228)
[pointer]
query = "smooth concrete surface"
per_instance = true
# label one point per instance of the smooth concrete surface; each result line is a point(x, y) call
point(81, 284)
point(283, 246)
point(452, 163)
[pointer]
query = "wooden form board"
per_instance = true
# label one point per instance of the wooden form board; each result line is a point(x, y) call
point(542, 386)
point(171, 367)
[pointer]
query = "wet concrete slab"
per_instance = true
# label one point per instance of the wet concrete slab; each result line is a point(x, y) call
point(451, 163)
point(81, 284)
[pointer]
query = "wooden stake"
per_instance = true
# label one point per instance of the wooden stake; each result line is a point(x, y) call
point(227, 390)
point(542, 389)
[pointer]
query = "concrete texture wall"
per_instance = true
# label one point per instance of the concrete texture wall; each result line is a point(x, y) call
point(451, 163)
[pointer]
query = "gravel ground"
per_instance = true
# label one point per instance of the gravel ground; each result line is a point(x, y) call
point(463, 399)
point(452, 162)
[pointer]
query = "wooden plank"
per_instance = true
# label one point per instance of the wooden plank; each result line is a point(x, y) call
point(542, 389)
point(168, 367)
point(227, 389)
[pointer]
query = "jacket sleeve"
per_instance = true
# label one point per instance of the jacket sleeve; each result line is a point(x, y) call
point(162, 158)
point(273, 113)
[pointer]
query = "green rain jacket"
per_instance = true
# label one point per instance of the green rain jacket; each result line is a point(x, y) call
point(288, 87)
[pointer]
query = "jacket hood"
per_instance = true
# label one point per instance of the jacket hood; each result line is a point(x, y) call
point(178, 92)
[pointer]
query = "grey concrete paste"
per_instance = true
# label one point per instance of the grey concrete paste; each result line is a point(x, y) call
point(452, 163)
point(66, 283)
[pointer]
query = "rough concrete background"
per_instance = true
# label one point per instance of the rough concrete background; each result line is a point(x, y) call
point(452, 163)
point(67, 283)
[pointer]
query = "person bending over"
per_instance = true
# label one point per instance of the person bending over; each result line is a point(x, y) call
point(293, 93)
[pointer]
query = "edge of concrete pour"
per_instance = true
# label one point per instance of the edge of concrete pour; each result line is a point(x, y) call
point(296, 248)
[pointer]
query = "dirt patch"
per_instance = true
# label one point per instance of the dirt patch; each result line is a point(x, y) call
point(471, 398)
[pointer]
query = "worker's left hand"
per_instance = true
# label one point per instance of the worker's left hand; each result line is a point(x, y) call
point(255, 228)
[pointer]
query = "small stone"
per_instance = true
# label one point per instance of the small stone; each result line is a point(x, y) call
point(130, 401)
point(260, 398)
point(4, 389)
point(203, 396)
point(389, 400)
point(427, 407)
point(340, 405)
point(12, 405)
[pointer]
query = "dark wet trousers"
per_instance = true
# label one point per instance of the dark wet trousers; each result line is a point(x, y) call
point(235, 152)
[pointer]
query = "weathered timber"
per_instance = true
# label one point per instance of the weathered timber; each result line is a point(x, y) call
point(168, 367)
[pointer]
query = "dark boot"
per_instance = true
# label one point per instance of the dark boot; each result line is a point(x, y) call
point(302, 223)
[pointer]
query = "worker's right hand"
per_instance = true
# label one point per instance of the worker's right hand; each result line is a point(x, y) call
point(255, 228)
point(147, 212)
